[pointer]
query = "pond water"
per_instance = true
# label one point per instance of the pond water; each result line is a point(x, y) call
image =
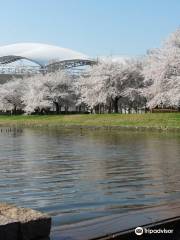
point(76, 175)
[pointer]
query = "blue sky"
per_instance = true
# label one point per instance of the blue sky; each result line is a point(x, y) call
point(94, 27)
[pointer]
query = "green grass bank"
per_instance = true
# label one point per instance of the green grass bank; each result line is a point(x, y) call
point(165, 121)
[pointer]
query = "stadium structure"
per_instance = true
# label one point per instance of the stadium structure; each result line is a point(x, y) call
point(32, 58)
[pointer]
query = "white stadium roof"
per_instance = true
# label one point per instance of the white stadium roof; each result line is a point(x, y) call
point(42, 54)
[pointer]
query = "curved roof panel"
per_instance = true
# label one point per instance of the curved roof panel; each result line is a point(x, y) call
point(43, 54)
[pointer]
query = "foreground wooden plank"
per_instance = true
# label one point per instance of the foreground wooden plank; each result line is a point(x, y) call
point(22, 223)
point(122, 226)
point(8, 228)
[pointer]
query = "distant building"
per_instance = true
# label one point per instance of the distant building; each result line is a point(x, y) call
point(31, 58)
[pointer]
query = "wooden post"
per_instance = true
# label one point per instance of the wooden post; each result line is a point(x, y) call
point(23, 223)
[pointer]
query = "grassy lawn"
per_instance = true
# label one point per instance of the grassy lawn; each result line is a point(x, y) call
point(149, 120)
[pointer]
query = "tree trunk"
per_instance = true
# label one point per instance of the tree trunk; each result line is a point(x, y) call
point(115, 103)
point(15, 110)
point(110, 108)
point(57, 107)
point(66, 109)
point(103, 108)
point(120, 108)
point(99, 108)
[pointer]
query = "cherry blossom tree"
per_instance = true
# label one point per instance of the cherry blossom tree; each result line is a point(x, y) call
point(43, 92)
point(107, 83)
point(109, 86)
point(34, 97)
point(11, 95)
point(162, 74)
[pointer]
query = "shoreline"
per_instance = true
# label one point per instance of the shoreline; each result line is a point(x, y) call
point(84, 127)
point(135, 122)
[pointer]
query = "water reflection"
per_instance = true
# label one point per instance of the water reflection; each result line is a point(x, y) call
point(81, 174)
